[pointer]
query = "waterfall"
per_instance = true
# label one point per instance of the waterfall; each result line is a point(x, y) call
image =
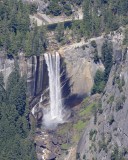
point(54, 114)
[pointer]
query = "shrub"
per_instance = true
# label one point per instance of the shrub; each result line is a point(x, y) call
point(123, 98)
point(125, 41)
point(77, 156)
point(119, 104)
point(55, 8)
point(84, 157)
point(99, 83)
point(116, 154)
point(102, 145)
point(95, 115)
point(107, 58)
point(67, 9)
point(99, 107)
point(109, 139)
point(111, 99)
point(93, 44)
point(92, 134)
point(111, 120)
point(96, 56)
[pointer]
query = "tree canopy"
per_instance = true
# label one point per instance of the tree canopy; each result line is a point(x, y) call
point(15, 139)
point(16, 33)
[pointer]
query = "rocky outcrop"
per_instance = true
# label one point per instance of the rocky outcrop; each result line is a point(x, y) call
point(35, 69)
point(81, 68)
point(106, 136)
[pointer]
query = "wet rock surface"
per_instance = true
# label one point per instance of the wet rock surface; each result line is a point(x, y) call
point(61, 142)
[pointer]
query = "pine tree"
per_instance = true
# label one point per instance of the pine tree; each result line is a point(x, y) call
point(87, 18)
point(60, 32)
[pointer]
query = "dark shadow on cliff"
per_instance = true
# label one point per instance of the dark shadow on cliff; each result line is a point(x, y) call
point(65, 80)
point(73, 100)
point(69, 100)
point(40, 80)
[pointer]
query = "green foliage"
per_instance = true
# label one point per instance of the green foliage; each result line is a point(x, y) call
point(119, 81)
point(58, 7)
point(55, 8)
point(65, 146)
point(103, 16)
point(79, 125)
point(84, 157)
point(67, 10)
point(87, 110)
point(15, 32)
point(2, 90)
point(117, 154)
point(125, 41)
point(14, 125)
point(33, 8)
point(87, 18)
point(93, 44)
point(99, 83)
point(111, 99)
point(111, 119)
point(107, 59)
point(96, 56)
point(92, 134)
point(60, 32)
point(95, 115)
point(99, 107)
point(77, 156)
point(120, 102)
point(36, 42)
point(102, 144)
point(77, 30)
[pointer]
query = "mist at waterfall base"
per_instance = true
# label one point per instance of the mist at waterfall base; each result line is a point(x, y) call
point(54, 114)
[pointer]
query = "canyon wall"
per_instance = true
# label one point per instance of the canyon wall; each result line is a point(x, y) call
point(106, 136)
point(78, 67)
point(34, 68)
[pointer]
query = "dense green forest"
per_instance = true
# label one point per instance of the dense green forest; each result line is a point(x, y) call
point(101, 16)
point(16, 33)
point(57, 7)
point(98, 15)
point(15, 131)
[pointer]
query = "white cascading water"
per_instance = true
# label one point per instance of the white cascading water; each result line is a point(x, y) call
point(54, 114)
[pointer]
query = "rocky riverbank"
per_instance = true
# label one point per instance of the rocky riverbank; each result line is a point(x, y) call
point(61, 142)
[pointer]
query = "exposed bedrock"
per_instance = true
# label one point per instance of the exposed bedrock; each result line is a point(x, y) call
point(108, 136)
point(77, 68)
point(81, 69)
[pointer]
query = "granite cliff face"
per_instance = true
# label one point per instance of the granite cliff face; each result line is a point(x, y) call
point(78, 69)
point(106, 136)
point(35, 69)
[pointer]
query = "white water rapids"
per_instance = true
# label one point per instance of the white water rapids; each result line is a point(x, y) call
point(54, 114)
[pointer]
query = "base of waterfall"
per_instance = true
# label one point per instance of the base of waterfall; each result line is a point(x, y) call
point(51, 121)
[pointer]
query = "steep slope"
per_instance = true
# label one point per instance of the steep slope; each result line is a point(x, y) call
point(106, 136)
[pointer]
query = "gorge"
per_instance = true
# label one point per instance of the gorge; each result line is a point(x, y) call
point(78, 63)
point(63, 80)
